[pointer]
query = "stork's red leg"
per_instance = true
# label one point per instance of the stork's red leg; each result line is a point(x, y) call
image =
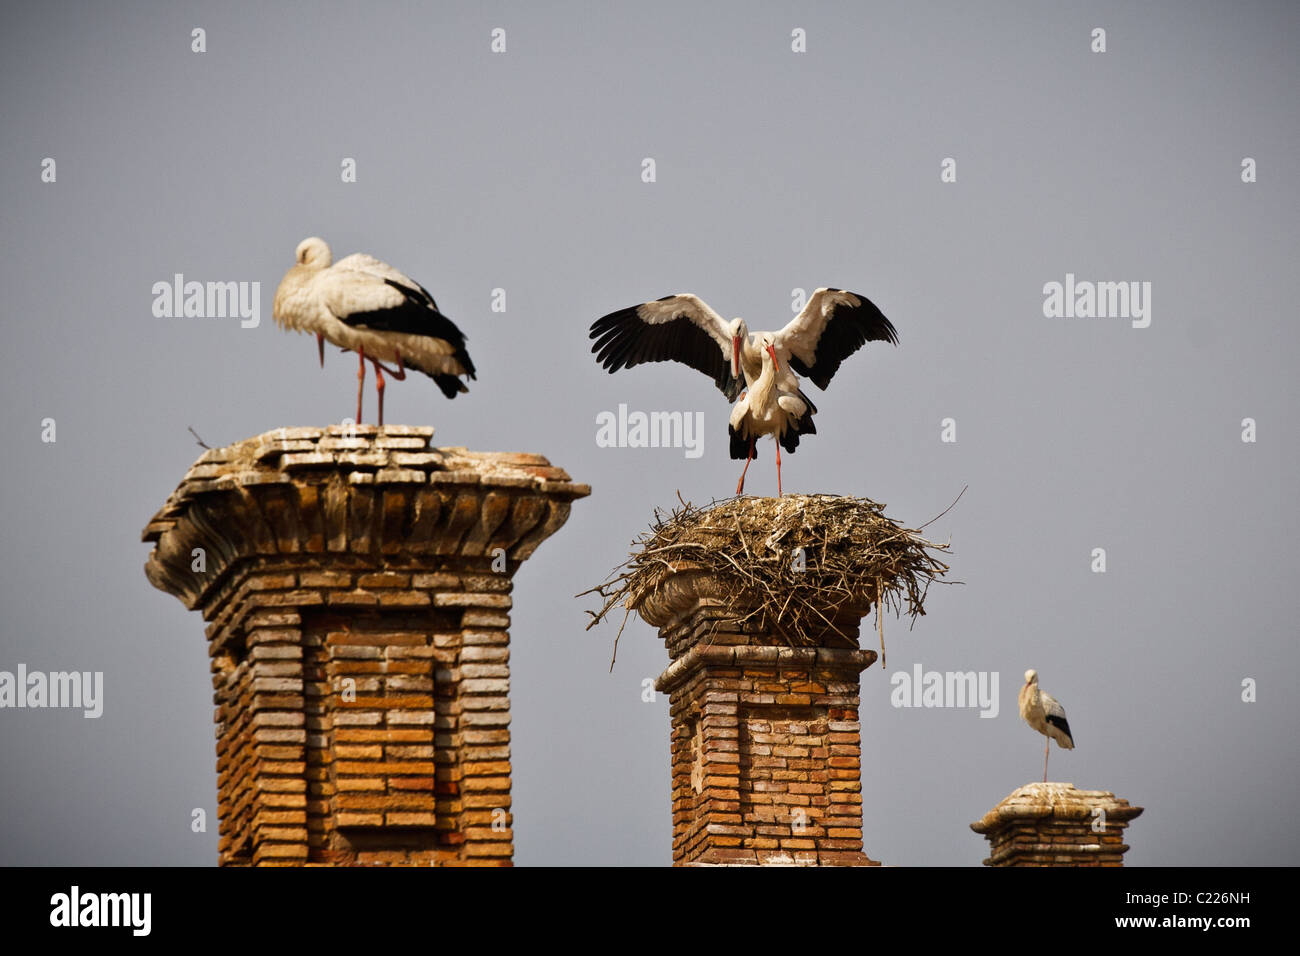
point(399, 373)
point(1045, 749)
point(361, 379)
point(740, 485)
point(379, 387)
point(320, 346)
point(778, 467)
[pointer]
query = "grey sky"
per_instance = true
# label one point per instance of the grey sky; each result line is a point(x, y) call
point(775, 170)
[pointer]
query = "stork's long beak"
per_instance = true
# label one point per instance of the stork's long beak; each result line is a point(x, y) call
point(771, 350)
point(735, 356)
point(320, 345)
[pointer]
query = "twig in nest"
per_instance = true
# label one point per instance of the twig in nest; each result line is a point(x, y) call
point(880, 620)
point(945, 510)
point(613, 657)
point(201, 442)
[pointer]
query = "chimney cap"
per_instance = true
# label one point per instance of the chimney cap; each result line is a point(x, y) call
point(364, 454)
point(1061, 801)
point(342, 489)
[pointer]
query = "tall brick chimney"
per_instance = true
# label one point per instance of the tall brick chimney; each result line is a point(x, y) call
point(766, 742)
point(357, 584)
point(1054, 824)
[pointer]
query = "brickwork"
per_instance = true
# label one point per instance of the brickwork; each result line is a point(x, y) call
point(357, 587)
point(766, 740)
point(1054, 824)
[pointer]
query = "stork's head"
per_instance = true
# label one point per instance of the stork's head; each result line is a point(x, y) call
point(739, 336)
point(314, 252)
point(1031, 676)
point(767, 341)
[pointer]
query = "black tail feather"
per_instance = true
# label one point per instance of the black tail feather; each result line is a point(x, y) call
point(451, 385)
point(804, 426)
point(740, 445)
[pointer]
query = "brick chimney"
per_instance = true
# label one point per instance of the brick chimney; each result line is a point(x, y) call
point(357, 584)
point(766, 743)
point(1053, 824)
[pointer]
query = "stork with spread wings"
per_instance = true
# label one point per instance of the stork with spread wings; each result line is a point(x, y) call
point(761, 369)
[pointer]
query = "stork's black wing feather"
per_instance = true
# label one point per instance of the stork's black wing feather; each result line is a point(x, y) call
point(623, 339)
point(416, 315)
point(1060, 723)
point(848, 328)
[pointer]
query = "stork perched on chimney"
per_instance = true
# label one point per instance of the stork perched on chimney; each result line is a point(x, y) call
point(1041, 711)
point(367, 306)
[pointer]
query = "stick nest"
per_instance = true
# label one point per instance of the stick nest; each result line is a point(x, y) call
point(789, 563)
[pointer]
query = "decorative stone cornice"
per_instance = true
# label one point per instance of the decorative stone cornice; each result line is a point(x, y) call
point(852, 662)
point(362, 490)
point(1056, 824)
point(1061, 801)
point(691, 605)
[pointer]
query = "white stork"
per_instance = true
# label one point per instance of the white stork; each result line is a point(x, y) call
point(1041, 711)
point(832, 326)
point(367, 306)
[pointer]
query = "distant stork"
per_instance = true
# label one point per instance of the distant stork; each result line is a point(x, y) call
point(832, 326)
point(368, 307)
point(1042, 712)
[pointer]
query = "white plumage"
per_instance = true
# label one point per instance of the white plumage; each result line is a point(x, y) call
point(1043, 713)
point(365, 305)
point(832, 325)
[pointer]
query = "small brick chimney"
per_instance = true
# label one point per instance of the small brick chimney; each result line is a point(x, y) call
point(1053, 824)
point(357, 584)
point(766, 743)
